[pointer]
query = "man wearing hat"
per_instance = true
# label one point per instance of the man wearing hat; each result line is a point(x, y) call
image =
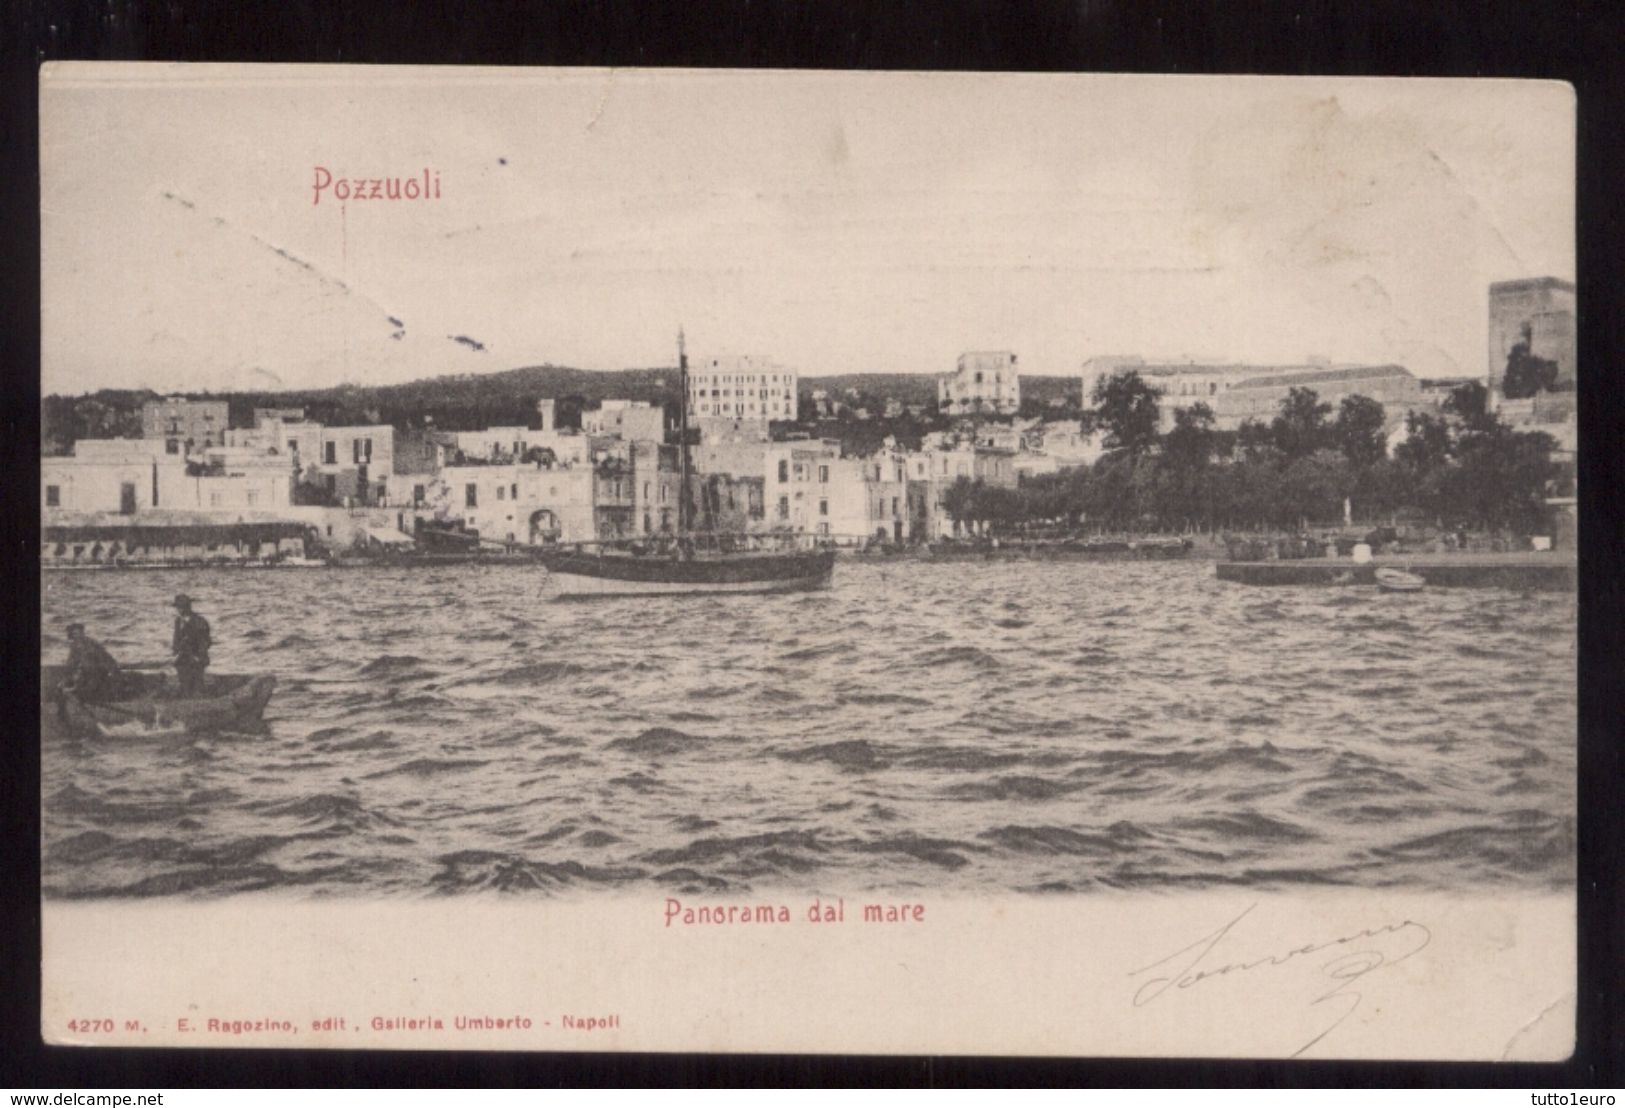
point(190, 646)
point(93, 674)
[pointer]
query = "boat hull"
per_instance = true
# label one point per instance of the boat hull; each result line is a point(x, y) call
point(231, 701)
point(579, 575)
point(1393, 580)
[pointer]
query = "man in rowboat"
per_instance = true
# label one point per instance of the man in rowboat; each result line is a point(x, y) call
point(93, 673)
point(190, 646)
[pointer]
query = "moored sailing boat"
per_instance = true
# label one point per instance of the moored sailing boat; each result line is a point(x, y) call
point(685, 566)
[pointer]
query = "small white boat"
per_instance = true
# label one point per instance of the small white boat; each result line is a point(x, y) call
point(1397, 580)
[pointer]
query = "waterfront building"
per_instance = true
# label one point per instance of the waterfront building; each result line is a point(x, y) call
point(932, 471)
point(632, 420)
point(797, 482)
point(984, 381)
point(1259, 398)
point(183, 425)
point(1544, 305)
point(351, 463)
point(728, 504)
point(518, 502)
point(869, 498)
point(121, 476)
point(128, 477)
point(344, 464)
point(234, 479)
point(743, 386)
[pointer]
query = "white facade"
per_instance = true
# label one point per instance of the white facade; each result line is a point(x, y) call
point(517, 503)
point(985, 381)
point(104, 481)
point(743, 386)
point(103, 477)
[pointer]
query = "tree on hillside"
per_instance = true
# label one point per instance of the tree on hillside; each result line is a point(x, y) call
point(1300, 429)
point(1358, 431)
point(1126, 408)
point(1527, 374)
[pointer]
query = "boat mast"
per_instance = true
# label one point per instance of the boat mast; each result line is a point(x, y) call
point(682, 432)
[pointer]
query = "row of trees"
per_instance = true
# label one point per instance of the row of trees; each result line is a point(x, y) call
point(1462, 467)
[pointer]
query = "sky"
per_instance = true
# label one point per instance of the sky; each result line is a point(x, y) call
point(838, 223)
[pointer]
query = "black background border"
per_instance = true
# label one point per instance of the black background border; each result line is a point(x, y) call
point(1582, 43)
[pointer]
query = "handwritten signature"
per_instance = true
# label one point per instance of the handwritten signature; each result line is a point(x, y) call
point(1356, 954)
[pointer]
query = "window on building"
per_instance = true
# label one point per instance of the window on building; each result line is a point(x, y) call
point(253, 497)
point(214, 500)
point(823, 507)
point(502, 493)
point(418, 492)
point(894, 506)
point(784, 507)
point(823, 475)
point(330, 453)
point(53, 496)
point(471, 495)
point(332, 483)
point(172, 446)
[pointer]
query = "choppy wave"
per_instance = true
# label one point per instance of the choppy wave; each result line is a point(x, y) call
point(1041, 727)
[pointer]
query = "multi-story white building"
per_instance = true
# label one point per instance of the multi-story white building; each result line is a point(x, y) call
point(741, 386)
point(985, 381)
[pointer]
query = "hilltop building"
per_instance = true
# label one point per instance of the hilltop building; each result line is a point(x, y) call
point(1238, 391)
point(185, 425)
point(984, 381)
point(1545, 305)
point(743, 386)
point(1259, 398)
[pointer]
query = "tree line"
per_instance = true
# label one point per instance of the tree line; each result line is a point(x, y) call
point(1462, 467)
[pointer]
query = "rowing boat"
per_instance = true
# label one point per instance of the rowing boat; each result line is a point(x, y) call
point(1397, 580)
point(149, 705)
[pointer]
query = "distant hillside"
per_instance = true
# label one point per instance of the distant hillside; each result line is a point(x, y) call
point(470, 401)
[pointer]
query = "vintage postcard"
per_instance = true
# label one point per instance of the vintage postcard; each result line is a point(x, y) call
point(807, 562)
